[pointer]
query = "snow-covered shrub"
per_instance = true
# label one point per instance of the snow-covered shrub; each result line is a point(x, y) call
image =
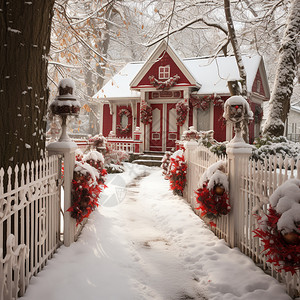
point(177, 172)
point(98, 141)
point(87, 184)
point(279, 146)
point(115, 156)
point(279, 228)
point(219, 148)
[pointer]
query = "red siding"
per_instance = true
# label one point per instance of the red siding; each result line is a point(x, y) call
point(219, 124)
point(174, 69)
point(191, 114)
point(107, 120)
point(255, 84)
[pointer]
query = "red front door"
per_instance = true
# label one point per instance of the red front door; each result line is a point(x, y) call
point(156, 128)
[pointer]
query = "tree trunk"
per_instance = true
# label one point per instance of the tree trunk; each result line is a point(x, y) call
point(285, 75)
point(25, 40)
point(235, 47)
point(233, 85)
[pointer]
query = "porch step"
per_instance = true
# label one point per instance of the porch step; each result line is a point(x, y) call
point(146, 162)
point(149, 159)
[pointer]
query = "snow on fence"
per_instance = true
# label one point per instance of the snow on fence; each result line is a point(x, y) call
point(256, 183)
point(29, 222)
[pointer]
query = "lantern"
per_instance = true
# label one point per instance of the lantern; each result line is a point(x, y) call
point(65, 104)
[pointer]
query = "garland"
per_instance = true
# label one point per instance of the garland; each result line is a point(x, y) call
point(127, 129)
point(177, 172)
point(282, 250)
point(146, 114)
point(164, 85)
point(182, 111)
point(204, 102)
point(212, 203)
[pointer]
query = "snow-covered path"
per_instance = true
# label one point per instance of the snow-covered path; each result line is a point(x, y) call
point(146, 243)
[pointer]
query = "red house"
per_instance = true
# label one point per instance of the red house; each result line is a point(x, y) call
point(165, 95)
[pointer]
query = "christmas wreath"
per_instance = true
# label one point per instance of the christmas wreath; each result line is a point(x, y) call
point(87, 184)
point(126, 130)
point(177, 172)
point(182, 109)
point(279, 228)
point(212, 195)
point(146, 114)
point(164, 85)
point(214, 202)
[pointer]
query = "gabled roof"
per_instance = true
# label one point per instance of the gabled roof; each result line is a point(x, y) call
point(211, 75)
point(158, 51)
point(118, 86)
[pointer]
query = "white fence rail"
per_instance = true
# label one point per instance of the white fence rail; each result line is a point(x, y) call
point(257, 181)
point(29, 222)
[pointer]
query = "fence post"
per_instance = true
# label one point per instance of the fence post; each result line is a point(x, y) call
point(67, 149)
point(137, 137)
point(189, 146)
point(237, 152)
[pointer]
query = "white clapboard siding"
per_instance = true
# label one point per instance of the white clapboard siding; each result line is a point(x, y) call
point(29, 222)
point(258, 182)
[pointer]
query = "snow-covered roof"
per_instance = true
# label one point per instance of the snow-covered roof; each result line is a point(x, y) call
point(212, 74)
point(118, 86)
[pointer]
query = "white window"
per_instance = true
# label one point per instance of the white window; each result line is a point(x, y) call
point(164, 72)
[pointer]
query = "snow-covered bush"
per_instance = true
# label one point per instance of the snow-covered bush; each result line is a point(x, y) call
point(279, 228)
point(177, 172)
point(87, 184)
point(115, 156)
point(279, 146)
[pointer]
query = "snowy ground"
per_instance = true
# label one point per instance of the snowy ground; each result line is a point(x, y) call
point(145, 243)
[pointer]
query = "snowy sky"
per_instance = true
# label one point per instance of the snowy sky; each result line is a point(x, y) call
point(145, 243)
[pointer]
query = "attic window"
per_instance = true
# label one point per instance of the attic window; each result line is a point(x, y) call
point(164, 72)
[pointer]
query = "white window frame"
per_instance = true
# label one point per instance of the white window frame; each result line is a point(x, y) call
point(164, 72)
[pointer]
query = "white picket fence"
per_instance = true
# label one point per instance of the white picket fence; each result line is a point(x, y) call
point(29, 222)
point(256, 182)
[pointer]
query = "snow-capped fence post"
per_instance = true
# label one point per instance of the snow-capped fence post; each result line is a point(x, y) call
point(189, 146)
point(236, 111)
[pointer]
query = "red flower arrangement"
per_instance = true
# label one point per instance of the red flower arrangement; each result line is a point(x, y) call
point(177, 172)
point(146, 114)
point(182, 111)
point(87, 184)
point(283, 251)
point(213, 203)
point(164, 85)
